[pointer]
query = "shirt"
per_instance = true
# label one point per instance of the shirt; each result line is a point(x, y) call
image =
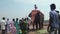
point(54, 15)
point(3, 23)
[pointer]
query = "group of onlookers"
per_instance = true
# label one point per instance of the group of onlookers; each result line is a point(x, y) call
point(15, 26)
point(37, 18)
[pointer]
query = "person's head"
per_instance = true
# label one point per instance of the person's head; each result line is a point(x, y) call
point(13, 19)
point(7, 19)
point(20, 20)
point(16, 19)
point(3, 18)
point(27, 18)
point(53, 6)
point(35, 6)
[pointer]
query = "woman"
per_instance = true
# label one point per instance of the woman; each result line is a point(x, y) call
point(17, 26)
point(8, 27)
point(13, 28)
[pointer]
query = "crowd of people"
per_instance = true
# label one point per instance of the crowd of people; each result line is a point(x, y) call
point(37, 18)
point(15, 26)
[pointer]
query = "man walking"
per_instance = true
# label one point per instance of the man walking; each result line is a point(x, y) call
point(53, 21)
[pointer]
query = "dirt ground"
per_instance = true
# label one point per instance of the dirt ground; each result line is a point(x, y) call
point(33, 32)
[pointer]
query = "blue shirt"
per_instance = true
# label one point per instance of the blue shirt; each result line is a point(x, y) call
point(54, 15)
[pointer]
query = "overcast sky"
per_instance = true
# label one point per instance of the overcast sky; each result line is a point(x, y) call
point(21, 8)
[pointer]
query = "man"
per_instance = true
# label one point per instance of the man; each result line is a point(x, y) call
point(53, 21)
point(3, 24)
point(33, 13)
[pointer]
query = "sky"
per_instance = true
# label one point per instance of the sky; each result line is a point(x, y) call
point(21, 8)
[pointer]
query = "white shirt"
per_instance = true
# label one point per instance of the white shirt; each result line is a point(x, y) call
point(3, 23)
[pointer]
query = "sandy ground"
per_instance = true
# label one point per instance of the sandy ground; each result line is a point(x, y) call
point(33, 32)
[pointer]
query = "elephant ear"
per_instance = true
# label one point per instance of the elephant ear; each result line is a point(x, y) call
point(29, 15)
